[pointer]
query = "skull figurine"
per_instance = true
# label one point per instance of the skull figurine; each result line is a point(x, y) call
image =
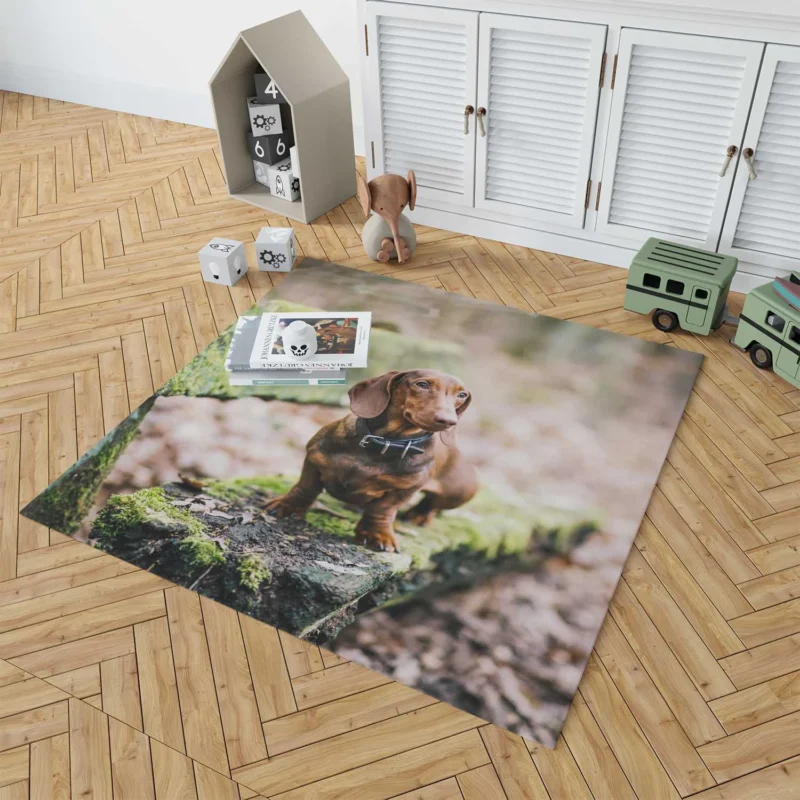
point(299, 339)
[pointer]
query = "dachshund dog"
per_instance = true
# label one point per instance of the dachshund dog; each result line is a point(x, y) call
point(398, 440)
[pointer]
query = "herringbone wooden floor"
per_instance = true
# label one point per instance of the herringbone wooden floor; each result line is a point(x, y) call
point(115, 684)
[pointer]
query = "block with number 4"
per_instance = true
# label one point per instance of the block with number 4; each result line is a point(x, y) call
point(268, 118)
point(282, 183)
point(270, 149)
point(267, 90)
point(275, 249)
point(223, 261)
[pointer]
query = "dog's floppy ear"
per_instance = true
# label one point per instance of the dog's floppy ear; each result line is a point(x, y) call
point(449, 436)
point(369, 398)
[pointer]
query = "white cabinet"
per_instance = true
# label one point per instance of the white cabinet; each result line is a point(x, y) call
point(538, 88)
point(506, 125)
point(422, 77)
point(588, 134)
point(762, 225)
point(679, 102)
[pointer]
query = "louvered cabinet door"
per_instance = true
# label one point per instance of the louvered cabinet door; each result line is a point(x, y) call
point(539, 83)
point(421, 77)
point(679, 102)
point(762, 225)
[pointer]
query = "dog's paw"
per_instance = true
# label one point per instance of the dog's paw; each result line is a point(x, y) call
point(280, 507)
point(383, 541)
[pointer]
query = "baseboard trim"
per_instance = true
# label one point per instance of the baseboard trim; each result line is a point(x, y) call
point(614, 255)
point(130, 98)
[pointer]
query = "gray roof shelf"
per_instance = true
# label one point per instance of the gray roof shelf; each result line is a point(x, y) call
point(290, 51)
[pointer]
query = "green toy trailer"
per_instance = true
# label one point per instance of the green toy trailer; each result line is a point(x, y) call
point(769, 328)
point(687, 287)
point(680, 286)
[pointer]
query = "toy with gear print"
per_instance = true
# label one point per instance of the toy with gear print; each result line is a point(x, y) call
point(276, 249)
point(268, 119)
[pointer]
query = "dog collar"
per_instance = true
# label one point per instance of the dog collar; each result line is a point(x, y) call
point(384, 445)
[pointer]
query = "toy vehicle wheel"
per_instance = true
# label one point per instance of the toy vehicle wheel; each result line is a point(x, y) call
point(761, 357)
point(665, 320)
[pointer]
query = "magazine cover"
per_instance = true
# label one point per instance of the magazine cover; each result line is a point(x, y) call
point(324, 339)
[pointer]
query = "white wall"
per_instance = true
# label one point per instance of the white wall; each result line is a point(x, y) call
point(151, 57)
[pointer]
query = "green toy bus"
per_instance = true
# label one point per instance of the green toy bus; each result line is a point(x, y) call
point(687, 287)
point(680, 285)
point(769, 329)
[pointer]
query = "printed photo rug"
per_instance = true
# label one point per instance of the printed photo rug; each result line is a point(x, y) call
point(456, 517)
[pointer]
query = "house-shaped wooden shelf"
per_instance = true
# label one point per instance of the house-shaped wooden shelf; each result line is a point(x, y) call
point(289, 50)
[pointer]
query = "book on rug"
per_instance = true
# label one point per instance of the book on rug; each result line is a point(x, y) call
point(318, 340)
point(237, 363)
point(289, 377)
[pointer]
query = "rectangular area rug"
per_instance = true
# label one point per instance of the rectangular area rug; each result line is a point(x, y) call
point(537, 443)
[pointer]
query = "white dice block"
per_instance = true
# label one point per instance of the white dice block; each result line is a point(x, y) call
point(282, 182)
point(295, 161)
point(268, 118)
point(276, 249)
point(223, 261)
point(260, 171)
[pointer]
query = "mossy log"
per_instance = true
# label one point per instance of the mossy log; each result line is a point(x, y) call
point(309, 577)
point(64, 504)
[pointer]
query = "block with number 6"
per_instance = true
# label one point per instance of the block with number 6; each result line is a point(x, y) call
point(270, 149)
point(267, 90)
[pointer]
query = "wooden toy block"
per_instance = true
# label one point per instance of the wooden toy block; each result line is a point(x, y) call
point(223, 261)
point(260, 171)
point(267, 90)
point(276, 249)
point(282, 182)
point(272, 148)
point(268, 118)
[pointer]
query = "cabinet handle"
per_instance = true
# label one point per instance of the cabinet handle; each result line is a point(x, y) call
point(748, 154)
point(480, 114)
point(468, 110)
point(729, 154)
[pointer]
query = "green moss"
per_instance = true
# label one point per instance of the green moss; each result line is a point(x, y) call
point(239, 488)
point(65, 503)
point(253, 572)
point(130, 515)
point(335, 525)
point(198, 552)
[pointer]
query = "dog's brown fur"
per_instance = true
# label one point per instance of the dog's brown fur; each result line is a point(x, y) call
point(398, 405)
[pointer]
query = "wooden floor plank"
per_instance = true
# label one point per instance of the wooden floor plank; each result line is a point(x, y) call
point(202, 726)
point(234, 685)
point(50, 769)
point(157, 684)
point(90, 754)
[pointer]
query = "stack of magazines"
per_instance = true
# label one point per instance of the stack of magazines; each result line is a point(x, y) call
point(263, 349)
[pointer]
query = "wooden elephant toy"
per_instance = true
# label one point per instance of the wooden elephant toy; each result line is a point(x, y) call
point(388, 233)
